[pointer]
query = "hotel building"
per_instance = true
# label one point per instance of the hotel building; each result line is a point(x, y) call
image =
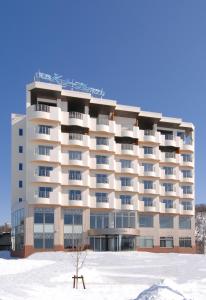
point(93, 172)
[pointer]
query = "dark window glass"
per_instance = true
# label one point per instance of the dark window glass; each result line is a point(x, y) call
point(20, 166)
point(38, 243)
point(20, 149)
point(68, 219)
point(49, 218)
point(20, 183)
point(20, 131)
point(38, 218)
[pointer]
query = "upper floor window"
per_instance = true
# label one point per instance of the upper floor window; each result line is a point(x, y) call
point(44, 129)
point(101, 178)
point(125, 163)
point(44, 171)
point(75, 175)
point(99, 220)
point(20, 166)
point(44, 150)
point(187, 189)
point(148, 184)
point(145, 220)
point(127, 146)
point(148, 201)
point(187, 173)
point(168, 203)
point(20, 131)
point(75, 195)
point(185, 242)
point(166, 221)
point(126, 199)
point(103, 120)
point(148, 150)
point(101, 159)
point(20, 149)
point(102, 141)
point(101, 197)
point(148, 167)
point(44, 191)
point(169, 187)
point(75, 115)
point(73, 217)
point(187, 205)
point(170, 154)
point(185, 222)
point(124, 219)
point(187, 157)
point(20, 183)
point(75, 155)
point(43, 216)
point(75, 136)
point(168, 170)
point(126, 181)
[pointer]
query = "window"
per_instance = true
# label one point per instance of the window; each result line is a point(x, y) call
point(187, 189)
point(166, 221)
point(185, 242)
point(44, 192)
point(148, 184)
point(168, 187)
point(125, 163)
point(44, 129)
point(20, 131)
point(169, 154)
point(145, 220)
point(20, 166)
point(166, 242)
point(187, 173)
point(101, 159)
point(101, 197)
point(44, 150)
point(101, 178)
point(145, 242)
point(187, 205)
point(148, 167)
point(124, 219)
point(102, 141)
point(168, 170)
point(187, 157)
point(75, 195)
point(75, 136)
point(127, 146)
point(17, 221)
point(20, 200)
point(99, 220)
point(126, 199)
point(148, 150)
point(73, 217)
point(20, 183)
point(75, 115)
point(20, 149)
point(148, 201)
point(75, 155)
point(126, 181)
point(168, 203)
point(184, 222)
point(75, 175)
point(44, 171)
point(103, 120)
point(44, 234)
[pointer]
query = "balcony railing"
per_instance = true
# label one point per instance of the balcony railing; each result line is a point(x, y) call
point(75, 136)
point(42, 107)
point(127, 146)
point(75, 115)
point(169, 155)
point(102, 121)
point(148, 132)
point(169, 137)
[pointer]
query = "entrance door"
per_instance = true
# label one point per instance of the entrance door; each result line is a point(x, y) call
point(127, 243)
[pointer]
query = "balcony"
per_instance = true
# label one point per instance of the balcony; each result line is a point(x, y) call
point(76, 203)
point(127, 206)
point(169, 192)
point(154, 155)
point(172, 176)
point(102, 204)
point(127, 149)
point(168, 209)
point(53, 155)
point(170, 140)
point(102, 185)
point(53, 134)
point(148, 173)
point(128, 131)
point(74, 118)
point(149, 136)
point(52, 178)
point(187, 210)
point(186, 163)
point(170, 157)
point(44, 112)
point(54, 198)
point(75, 139)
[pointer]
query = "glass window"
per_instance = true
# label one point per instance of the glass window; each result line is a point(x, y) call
point(145, 220)
point(148, 184)
point(20, 183)
point(148, 201)
point(75, 195)
point(101, 197)
point(20, 200)
point(20, 149)
point(170, 154)
point(103, 120)
point(185, 222)
point(168, 203)
point(125, 219)
point(75, 175)
point(75, 155)
point(126, 199)
point(20, 131)
point(187, 173)
point(38, 241)
point(44, 192)
point(169, 187)
point(127, 146)
point(102, 141)
point(75, 136)
point(101, 178)
point(148, 150)
point(126, 181)
point(20, 166)
point(125, 163)
point(166, 221)
point(166, 242)
point(145, 242)
point(187, 157)
point(44, 171)
point(168, 170)
point(44, 150)
point(101, 159)
point(44, 129)
point(49, 217)
point(49, 240)
point(99, 220)
point(187, 205)
point(185, 242)
point(73, 217)
point(38, 217)
point(187, 189)
point(148, 167)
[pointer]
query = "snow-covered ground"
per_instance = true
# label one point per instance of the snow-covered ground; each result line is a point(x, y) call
point(108, 275)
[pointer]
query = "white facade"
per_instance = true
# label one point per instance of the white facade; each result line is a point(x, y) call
point(118, 158)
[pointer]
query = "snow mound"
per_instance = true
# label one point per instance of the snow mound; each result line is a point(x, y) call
point(164, 290)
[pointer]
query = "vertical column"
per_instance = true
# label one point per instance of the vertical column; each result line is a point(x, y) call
point(29, 230)
point(86, 225)
point(58, 228)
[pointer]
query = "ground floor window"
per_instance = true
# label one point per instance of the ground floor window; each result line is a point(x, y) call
point(72, 240)
point(43, 228)
point(43, 240)
point(17, 233)
point(73, 228)
point(166, 242)
point(112, 243)
point(185, 242)
point(145, 242)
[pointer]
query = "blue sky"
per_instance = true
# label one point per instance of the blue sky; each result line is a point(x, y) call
point(149, 53)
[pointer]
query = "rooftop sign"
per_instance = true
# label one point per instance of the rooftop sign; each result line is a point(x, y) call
point(68, 84)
